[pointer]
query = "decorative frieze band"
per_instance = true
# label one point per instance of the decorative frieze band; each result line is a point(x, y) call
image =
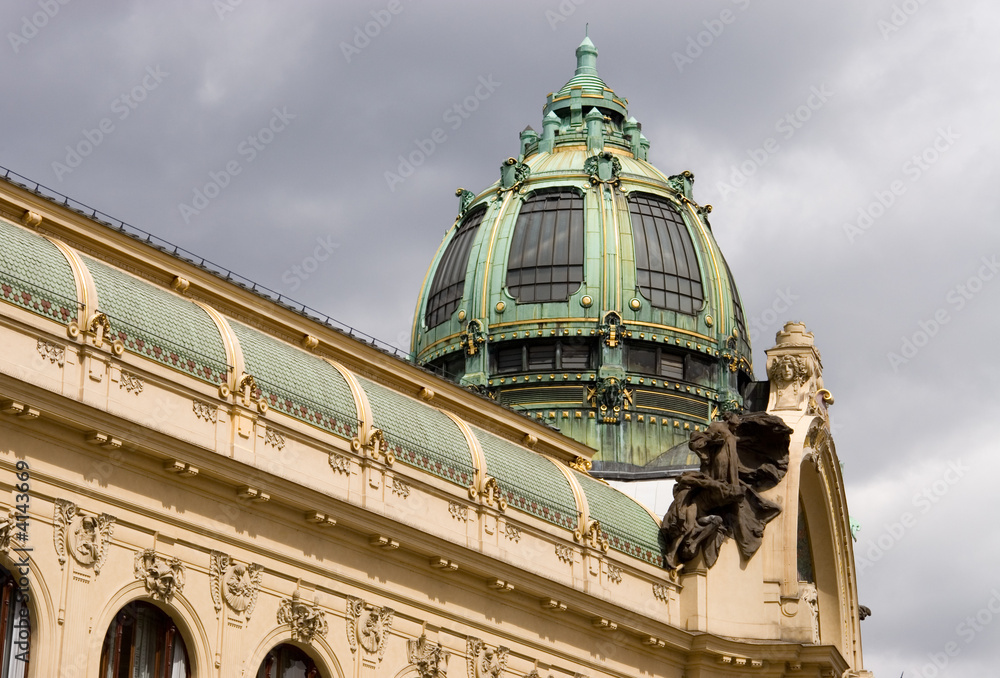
point(53, 352)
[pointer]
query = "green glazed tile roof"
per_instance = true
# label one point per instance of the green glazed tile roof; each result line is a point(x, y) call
point(298, 383)
point(420, 435)
point(35, 275)
point(627, 525)
point(158, 324)
point(529, 481)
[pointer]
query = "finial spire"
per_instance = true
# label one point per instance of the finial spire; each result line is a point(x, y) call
point(586, 56)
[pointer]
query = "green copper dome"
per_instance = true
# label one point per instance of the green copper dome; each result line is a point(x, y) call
point(585, 289)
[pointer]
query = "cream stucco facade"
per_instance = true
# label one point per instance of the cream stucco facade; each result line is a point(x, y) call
point(252, 524)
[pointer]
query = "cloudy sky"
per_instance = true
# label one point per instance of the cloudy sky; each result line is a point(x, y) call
point(846, 148)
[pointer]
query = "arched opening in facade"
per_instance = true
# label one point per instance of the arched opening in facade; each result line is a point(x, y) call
point(143, 642)
point(819, 584)
point(15, 627)
point(287, 661)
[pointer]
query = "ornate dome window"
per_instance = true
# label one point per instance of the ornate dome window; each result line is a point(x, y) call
point(546, 251)
point(449, 280)
point(667, 271)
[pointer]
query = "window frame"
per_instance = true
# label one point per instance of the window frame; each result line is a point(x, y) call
point(684, 356)
point(165, 630)
point(447, 288)
point(557, 365)
point(528, 275)
point(658, 275)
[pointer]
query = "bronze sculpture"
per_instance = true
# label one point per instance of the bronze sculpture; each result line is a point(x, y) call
point(741, 456)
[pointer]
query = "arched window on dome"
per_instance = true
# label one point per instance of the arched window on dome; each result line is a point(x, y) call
point(667, 271)
point(449, 279)
point(143, 641)
point(546, 252)
point(15, 628)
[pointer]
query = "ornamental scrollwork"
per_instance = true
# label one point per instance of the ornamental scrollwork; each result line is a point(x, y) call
point(683, 183)
point(236, 584)
point(306, 620)
point(274, 438)
point(368, 626)
point(603, 168)
point(8, 531)
point(374, 445)
point(162, 576)
point(612, 330)
point(84, 537)
point(340, 463)
point(512, 175)
point(491, 494)
point(593, 536)
point(130, 382)
point(465, 199)
point(250, 393)
point(205, 411)
point(473, 337)
point(401, 488)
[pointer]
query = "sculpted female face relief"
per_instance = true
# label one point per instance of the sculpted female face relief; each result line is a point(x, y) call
point(789, 374)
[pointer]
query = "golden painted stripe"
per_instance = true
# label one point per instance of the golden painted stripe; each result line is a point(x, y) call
point(673, 329)
point(483, 311)
point(715, 264)
point(448, 338)
point(582, 506)
point(475, 451)
point(234, 352)
point(366, 418)
point(86, 290)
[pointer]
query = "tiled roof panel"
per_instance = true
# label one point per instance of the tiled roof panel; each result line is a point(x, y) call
point(159, 324)
point(35, 275)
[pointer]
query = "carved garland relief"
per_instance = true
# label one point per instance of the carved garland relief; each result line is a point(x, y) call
point(306, 620)
point(162, 575)
point(430, 658)
point(53, 352)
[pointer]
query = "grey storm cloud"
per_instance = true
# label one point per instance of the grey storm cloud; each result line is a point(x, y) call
point(849, 150)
